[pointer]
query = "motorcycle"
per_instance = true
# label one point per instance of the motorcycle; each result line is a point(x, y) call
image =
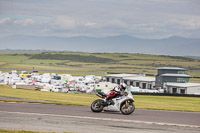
point(121, 102)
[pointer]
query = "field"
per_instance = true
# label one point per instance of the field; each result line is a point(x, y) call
point(18, 131)
point(73, 62)
point(189, 104)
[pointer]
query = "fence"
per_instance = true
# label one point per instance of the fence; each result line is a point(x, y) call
point(164, 94)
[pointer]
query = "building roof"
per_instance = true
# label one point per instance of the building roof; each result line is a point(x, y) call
point(122, 75)
point(175, 75)
point(182, 84)
point(106, 83)
point(171, 68)
point(141, 78)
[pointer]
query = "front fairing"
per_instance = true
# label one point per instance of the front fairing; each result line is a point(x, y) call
point(115, 107)
point(118, 101)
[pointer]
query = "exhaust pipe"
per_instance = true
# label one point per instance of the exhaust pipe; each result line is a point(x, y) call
point(99, 95)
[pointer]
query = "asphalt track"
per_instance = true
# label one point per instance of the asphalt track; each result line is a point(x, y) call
point(59, 118)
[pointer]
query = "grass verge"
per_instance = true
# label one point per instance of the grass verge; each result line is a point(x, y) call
point(18, 131)
point(189, 104)
point(22, 131)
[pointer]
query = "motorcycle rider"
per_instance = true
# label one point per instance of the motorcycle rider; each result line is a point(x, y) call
point(116, 91)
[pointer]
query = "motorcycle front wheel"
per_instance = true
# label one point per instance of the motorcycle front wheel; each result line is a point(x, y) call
point(127, 108)
point(97, 106)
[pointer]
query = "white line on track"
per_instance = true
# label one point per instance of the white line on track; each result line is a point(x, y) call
point(105, 119)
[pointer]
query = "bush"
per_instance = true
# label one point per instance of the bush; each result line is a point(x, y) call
point(75, 58)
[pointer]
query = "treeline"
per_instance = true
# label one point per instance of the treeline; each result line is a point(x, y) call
point(75, 58)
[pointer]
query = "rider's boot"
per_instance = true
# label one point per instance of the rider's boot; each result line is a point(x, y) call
point(108, 102)
point(111, 102)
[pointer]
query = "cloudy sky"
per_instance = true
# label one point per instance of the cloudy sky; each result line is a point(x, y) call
point(99, 18)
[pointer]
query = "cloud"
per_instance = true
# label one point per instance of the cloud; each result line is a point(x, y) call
point(24, 22)
point(90, 24)
point(140, 18)
point(17, 20)
point(28, 25)
point(116, 23)
point(64, 22)
point(188, 23)
point(4, 20)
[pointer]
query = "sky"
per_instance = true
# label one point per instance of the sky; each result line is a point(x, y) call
point(147, 19)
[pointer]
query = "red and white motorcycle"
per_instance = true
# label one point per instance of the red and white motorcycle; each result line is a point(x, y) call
point(122, 102)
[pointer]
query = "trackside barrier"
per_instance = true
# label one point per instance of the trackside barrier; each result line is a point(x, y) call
point(164, 94)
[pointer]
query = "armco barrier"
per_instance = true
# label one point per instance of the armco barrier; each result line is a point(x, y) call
point(164, 94)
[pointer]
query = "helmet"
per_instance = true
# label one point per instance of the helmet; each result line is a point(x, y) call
point(122, 86)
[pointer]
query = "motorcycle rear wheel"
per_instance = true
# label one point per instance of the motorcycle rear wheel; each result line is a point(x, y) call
point(97, 106)
point(127, 108)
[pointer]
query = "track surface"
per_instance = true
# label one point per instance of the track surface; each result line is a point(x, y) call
point(80, 119)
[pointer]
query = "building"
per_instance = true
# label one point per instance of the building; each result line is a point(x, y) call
point(183, 88)
point(171, 74)
point(118, 78)
point(168, 79)
point(140, 81)
point(174, 80)
point(134, 80)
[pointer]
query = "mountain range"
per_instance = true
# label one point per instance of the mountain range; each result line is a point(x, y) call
point(175, 45)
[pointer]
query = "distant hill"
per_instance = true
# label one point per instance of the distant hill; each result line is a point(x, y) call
point(194, 57)
point(174, 45)
point(22, 51)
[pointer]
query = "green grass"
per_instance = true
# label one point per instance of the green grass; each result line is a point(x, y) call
point(90, 62)
point(82, 74)
point(20, 131)
point(37, 61)
point(17, 131)
point(10, 58)
point(171, 103)
point(195, 80)
point(60, 98)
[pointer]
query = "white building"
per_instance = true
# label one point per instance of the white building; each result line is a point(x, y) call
point(182, 88)
point(134, 80)
point(118, 78)
point(141, 82)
